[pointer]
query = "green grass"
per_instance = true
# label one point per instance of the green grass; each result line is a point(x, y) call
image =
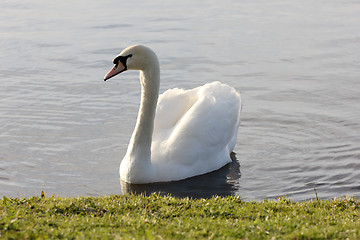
point(155, 217)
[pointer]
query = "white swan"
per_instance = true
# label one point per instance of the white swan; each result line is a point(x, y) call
point(184, 134)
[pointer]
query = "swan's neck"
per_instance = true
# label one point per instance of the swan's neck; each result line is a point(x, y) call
point(139, 149)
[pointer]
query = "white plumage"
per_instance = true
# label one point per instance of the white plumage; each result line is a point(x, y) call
point(183, 134)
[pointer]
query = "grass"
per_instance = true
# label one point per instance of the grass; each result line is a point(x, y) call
point(156, 217)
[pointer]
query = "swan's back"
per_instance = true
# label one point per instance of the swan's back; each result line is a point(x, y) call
point(195, 130)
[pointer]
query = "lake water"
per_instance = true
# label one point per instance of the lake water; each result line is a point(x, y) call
point(296, 63)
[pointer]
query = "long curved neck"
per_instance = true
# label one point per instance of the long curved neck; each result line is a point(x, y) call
point(140, 143)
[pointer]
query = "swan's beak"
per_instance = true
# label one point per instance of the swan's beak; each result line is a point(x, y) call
point(118, 68)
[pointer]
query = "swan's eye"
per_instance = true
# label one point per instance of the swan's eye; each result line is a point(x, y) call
point(121, 59)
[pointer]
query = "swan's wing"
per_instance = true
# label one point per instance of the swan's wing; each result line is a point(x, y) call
point(212, 121)
point(204, 130)
point(171, 107)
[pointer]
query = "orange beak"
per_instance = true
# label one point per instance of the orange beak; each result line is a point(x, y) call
point(118, 68)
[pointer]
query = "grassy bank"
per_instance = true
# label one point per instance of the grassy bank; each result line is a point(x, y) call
point(155, 217)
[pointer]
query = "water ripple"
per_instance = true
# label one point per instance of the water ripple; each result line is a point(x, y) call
point(63, 130)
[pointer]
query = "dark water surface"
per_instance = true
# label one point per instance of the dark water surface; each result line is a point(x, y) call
point(296, 63)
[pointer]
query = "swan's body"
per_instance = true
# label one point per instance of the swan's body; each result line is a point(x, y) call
point(184, 134)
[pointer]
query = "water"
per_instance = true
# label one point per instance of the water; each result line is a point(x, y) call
point(296, 63)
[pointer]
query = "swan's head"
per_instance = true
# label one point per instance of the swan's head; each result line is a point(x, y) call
point(137, 57)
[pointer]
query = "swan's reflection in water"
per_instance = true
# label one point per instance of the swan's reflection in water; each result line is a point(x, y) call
point(221, 182)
